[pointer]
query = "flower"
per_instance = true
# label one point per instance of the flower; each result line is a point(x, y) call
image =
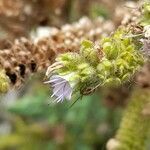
point(61, 88)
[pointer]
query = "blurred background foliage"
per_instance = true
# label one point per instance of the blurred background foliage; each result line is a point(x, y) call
point(35, 125)
point(19, 17)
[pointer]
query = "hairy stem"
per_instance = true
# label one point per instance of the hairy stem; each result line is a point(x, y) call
point(135, 125)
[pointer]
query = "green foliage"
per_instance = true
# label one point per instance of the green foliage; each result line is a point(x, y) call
point(112, 64)
point(4, 82)
point(25, 137)
point(83, 126)
point(99, 10)
point(25, 105)
point(79, 67)
point(121, 59)
point(145, 20)
point(134, 129)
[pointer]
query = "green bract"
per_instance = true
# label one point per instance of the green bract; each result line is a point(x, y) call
point(121, 59)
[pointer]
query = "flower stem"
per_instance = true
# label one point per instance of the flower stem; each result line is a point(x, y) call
point(133, 131)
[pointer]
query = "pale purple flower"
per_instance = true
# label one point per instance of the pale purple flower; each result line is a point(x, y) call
point(61, 88)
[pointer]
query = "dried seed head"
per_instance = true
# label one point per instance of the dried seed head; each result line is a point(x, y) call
point(23, 57)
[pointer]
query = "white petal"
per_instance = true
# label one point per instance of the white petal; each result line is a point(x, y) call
point(69, 92)
point(59, 83)
point(46, 82)
point(57, 90)
point(68, 95)
point(56, 77)
point(61, 88)
point(64, 90)
point(54, 80)
point(60, 91)
point(60, 98)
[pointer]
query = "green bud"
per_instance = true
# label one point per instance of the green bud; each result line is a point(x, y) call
point(82, 66)
point(87, 44)
point(88, 52)
point(85, 71)
point(126, 77)
point(105, 65)
point(4, 82)
point(101, 77)
point(112, 82)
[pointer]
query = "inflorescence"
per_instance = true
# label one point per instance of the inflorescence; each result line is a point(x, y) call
point(112, 62)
